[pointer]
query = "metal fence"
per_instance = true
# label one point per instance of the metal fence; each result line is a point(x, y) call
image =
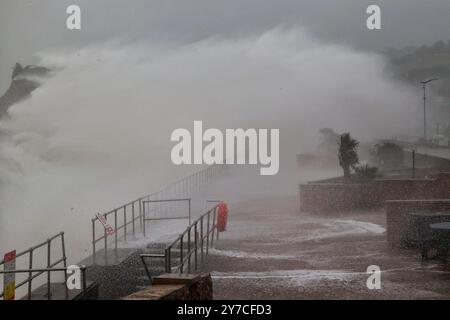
point(49, 271)
point(192, 244)
point(34, 273)
point(128, 218)
point(146, 210)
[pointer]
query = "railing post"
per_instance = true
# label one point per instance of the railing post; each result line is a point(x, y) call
point(207, 232)
point(93, 240)
point(201, 240)
point(189, 250)
point(217, 229)
point(125, 223)
point(30, 274)
point(140, 214)
point(196, 246)
point(168, 260)
point(49, 249)
point(83, 271)
point(133, 216)
point(213, 226)
point(189, 211)
point(181, 254)
point(143, 218)
point(115, 227)
point(106, 243)
point(63, 244)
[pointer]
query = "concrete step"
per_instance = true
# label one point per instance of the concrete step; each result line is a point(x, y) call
point(59, 291)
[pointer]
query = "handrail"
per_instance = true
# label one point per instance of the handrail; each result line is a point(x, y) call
point(50, 264)
point(145, 219)
point(49, 270)
point(203, 239)
point(36, 246)
point(180, 188)
point(199, 243)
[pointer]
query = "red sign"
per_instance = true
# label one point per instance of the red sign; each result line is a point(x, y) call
point(109, 230)
point(9, 279)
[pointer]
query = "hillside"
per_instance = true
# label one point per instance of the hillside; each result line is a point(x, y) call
point(414, 64)
point(23, 83)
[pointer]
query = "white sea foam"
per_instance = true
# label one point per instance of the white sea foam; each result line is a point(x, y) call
point(251, 255)
point(293, 277)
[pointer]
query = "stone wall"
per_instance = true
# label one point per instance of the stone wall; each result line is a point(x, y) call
point(397, 220)
point(329, 197)
point(323, 197)
point(177, 287)
point(437, 187)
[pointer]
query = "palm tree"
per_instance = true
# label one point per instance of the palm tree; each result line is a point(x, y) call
point(348, 157)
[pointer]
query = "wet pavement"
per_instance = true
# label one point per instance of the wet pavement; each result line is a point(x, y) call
point(271, 251)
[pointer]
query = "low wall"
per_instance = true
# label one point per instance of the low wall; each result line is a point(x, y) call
point(177, 287)
point(424, 160)
point(326, 197)
point(397, 220)
point(404, 189)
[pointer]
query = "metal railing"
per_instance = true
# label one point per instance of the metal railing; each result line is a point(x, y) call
point(127, 216)
point(50, 265)
point(48, 271)
point(145, 211)
point(193, 243)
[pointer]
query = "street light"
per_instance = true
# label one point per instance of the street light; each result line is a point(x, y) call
point(424, 84)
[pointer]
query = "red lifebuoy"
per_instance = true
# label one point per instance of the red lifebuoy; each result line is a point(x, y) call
point(222, 217)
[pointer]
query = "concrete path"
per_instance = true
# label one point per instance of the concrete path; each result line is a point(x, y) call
point(271, 251)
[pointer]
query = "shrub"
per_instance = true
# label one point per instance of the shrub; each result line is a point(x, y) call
point(365, 172)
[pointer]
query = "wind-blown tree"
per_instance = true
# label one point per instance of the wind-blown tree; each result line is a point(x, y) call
point(348, 157)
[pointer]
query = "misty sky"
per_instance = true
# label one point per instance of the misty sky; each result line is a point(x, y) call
point(28, 26)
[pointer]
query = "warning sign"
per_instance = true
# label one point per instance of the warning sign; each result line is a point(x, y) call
point(9, 279)
point(109, 230)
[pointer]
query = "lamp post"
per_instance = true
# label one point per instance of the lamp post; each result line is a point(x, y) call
point(424, 84)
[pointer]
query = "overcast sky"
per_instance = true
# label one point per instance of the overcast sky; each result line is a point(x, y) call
point(28, 26)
